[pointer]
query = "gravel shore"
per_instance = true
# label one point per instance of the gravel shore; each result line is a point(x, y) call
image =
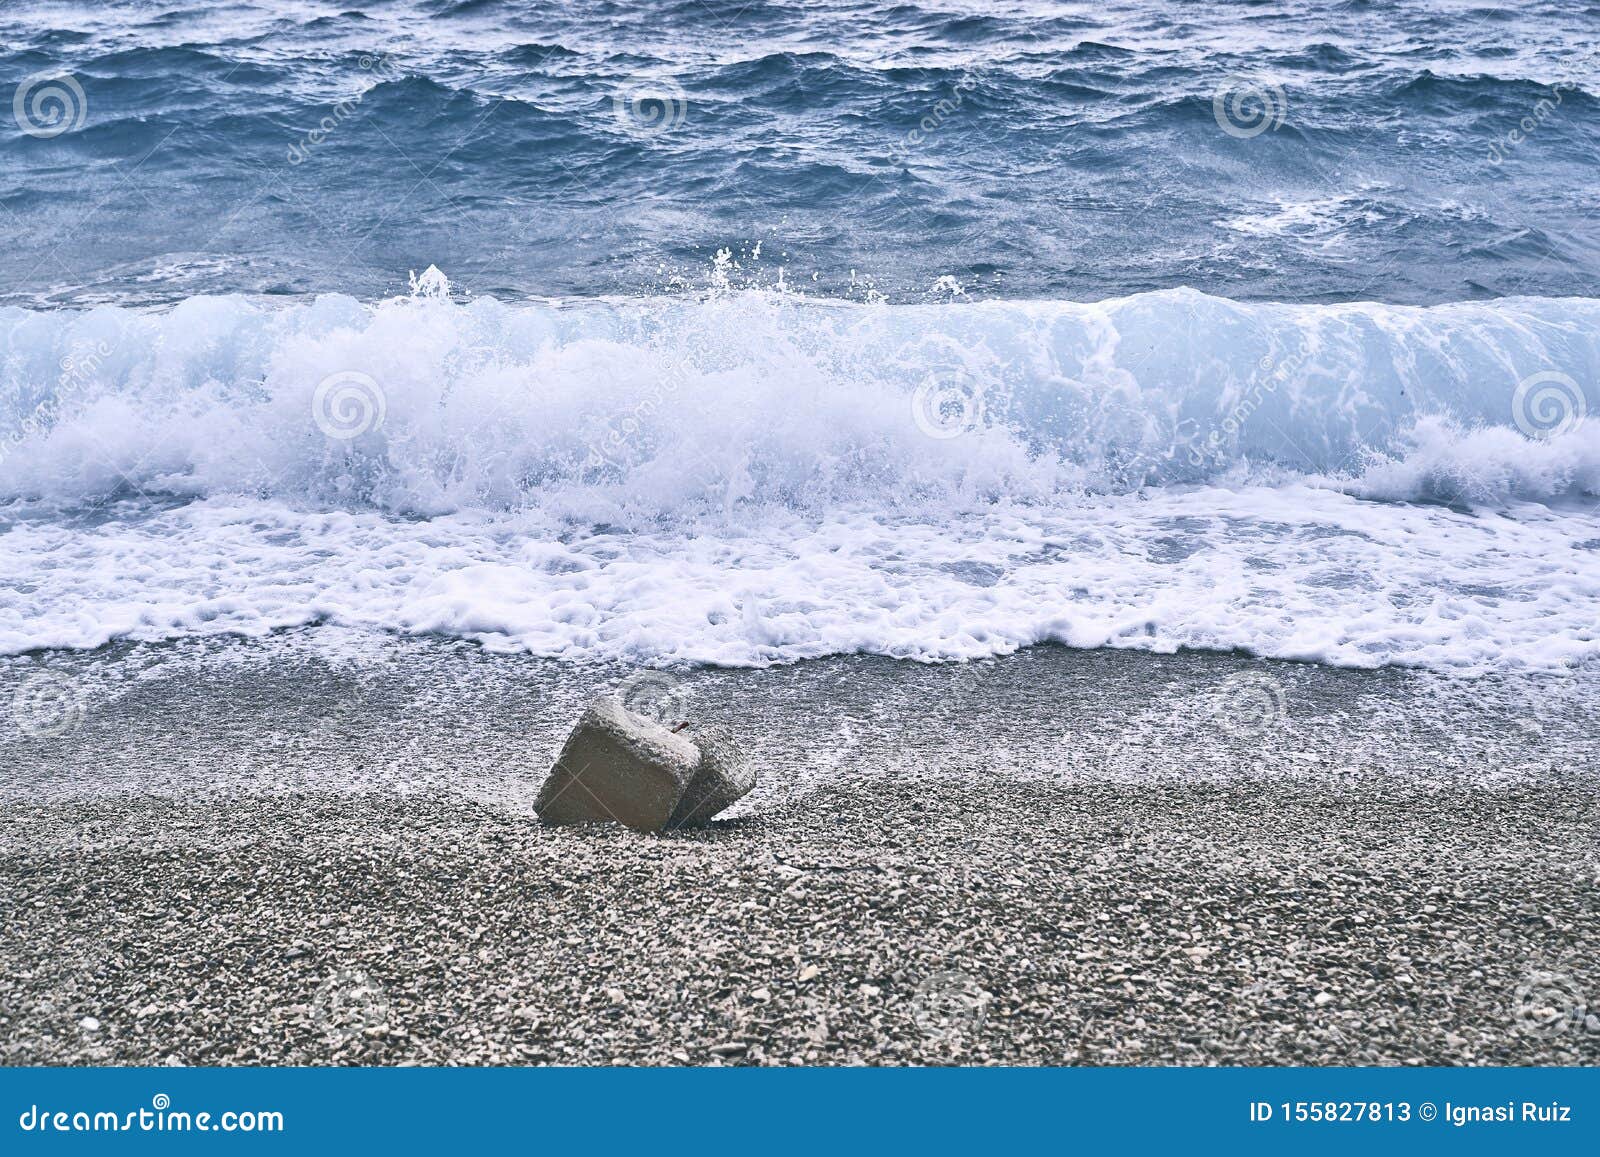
point(941, 865)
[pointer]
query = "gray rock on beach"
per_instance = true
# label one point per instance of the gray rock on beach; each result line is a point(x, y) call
point(722, 777)
point(623, 767)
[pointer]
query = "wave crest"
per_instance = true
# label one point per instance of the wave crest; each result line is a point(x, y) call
point(648, 409)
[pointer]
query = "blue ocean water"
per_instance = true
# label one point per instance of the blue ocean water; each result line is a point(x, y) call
point(1025, 149)
point(775, 330)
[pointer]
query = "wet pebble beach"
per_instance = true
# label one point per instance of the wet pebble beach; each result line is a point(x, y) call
point(953, 908)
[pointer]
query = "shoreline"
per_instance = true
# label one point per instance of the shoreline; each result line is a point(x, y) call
point(1066, 858)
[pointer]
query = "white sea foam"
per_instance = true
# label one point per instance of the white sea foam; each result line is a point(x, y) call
point(1288, 571)
point(756, 477)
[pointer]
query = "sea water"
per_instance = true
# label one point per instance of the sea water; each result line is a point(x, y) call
point(777, 331)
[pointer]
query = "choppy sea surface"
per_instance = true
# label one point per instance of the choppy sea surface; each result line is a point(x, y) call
point(784, 330)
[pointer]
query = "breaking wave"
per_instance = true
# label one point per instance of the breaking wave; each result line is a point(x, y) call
point(647, 411)
point(755, 477)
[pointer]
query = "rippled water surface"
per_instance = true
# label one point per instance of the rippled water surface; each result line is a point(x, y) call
point(1023, 149)
point(776, 330)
